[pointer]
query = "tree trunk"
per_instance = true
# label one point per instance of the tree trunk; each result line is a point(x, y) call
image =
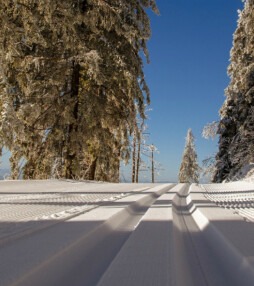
point(152, 168)
point(134, 158)
point(92, 169)
point(71, 154)
point(117, 176)
point(138, 160)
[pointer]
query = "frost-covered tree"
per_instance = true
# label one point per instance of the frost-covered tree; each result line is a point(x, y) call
point(70, 75)
point(210, 130)
point(208, 164)
point(189, 167)
point(236, 127)
point(142, 152)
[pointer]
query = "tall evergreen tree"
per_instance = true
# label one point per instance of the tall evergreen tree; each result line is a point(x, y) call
point(71, 73)
point(236, 127)
point(189, 167)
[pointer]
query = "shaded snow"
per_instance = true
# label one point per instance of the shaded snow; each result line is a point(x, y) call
point(28, 205)
point(238, 196)
point(246, 173)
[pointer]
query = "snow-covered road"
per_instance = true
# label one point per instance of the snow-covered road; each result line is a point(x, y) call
point(81, 233)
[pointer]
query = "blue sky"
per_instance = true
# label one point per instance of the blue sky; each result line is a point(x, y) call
point(189, 54)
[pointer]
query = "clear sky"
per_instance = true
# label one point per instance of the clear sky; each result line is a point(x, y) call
point(189, 53)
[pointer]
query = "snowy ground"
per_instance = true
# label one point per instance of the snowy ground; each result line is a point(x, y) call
point(237, 196)
point(60, 232)
point(28, 205)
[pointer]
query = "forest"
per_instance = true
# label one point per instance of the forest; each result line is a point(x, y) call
point(73, 95)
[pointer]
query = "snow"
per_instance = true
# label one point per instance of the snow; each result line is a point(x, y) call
point(237, 196)
point(32, 205)
point(133, 264)
point(246, 173)
point(123, 234)
point(67, 253)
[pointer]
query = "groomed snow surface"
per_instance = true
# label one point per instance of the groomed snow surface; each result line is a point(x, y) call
point(236, 196)
point(26, 205)
point(71, 233)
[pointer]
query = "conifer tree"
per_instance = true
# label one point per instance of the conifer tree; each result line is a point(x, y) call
point(70, 75)
point(236, 127)
point(189, 167)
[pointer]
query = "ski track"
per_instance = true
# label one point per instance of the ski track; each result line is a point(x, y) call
point(237, 196)
point(19, 213)
point(149, 236)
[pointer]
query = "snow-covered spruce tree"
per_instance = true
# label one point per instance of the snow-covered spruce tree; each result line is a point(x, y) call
point(236, 127)
point(189, 167)
point(70, 76)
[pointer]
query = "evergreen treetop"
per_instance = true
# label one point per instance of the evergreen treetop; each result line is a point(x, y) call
point(189, 167)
